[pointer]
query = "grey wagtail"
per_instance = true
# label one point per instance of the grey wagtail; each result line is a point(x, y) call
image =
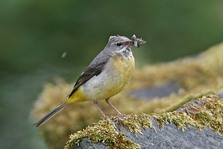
point(105, 76)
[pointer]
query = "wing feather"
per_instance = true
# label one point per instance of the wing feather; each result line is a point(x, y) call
point(94, 69)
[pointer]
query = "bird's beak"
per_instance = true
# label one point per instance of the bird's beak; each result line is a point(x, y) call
point(128, 43)
point(134, 41)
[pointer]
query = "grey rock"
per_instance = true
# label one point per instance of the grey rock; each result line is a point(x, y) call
point(168, 137)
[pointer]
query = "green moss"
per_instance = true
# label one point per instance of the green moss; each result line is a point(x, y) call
point(187, 99)
point(207, 114)
point(181, 120)
point(134, 123)
point(211, 113)
point(104, 132)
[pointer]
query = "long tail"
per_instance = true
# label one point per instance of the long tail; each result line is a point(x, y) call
point(51, 114)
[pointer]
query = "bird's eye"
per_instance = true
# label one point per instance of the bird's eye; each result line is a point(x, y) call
point(119, 44)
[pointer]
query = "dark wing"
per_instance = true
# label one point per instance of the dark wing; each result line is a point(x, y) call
point(94, 69)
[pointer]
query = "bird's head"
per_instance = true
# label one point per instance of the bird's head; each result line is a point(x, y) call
point(120, 43)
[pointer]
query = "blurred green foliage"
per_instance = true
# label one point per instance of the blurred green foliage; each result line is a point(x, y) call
point(34, 34)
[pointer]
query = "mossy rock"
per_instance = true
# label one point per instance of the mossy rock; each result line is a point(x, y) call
point(198, 124)
point(183, 79)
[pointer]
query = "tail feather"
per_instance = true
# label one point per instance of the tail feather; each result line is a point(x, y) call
point(51, 114)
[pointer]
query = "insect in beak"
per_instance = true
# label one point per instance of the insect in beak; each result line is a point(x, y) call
point(137, 41)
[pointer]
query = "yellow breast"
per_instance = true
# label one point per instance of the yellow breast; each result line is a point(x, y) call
point(121, 70)
point(115, 75)
point(124, 66)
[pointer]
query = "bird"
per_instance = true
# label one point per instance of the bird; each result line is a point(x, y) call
point(105, 76)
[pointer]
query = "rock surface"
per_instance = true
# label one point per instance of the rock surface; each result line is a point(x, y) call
point(184, 128)
point(168, 137)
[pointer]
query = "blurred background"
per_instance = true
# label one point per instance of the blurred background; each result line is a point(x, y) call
point(41, 40)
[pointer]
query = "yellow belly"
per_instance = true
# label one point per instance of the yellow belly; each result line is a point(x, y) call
point(116, 74)
point(120, 73)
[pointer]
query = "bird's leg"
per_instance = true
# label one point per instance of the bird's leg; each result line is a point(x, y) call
point(99, 109)
point(119, 113)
